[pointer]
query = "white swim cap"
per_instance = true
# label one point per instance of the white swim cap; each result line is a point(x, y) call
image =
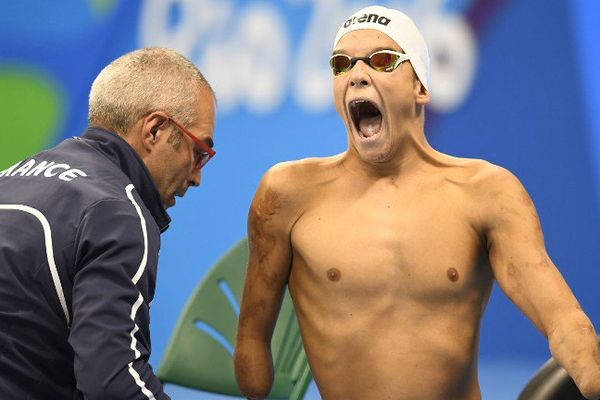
point(399, 27)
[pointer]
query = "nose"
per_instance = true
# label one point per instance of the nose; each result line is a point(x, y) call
point(359, 75)
point(195, 178)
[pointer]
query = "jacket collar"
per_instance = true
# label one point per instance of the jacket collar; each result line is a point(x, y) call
point(118, 151)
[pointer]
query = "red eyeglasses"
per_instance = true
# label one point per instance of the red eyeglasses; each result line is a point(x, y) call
point(205, 153)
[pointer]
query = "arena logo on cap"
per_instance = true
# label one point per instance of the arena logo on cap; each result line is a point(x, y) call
point(382, 20)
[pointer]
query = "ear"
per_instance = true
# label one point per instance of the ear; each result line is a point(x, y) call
point(152, 127)
point(421, 94)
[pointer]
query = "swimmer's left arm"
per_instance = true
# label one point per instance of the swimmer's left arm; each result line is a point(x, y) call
point(527, 275)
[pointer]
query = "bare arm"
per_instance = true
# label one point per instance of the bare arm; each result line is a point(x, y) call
point(269, 261)
point(530, 279)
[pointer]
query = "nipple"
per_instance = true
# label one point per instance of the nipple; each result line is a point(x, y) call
point(334, 274)
point(452, 274)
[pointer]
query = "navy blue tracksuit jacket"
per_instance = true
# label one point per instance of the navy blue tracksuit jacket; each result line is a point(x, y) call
point(79, 239)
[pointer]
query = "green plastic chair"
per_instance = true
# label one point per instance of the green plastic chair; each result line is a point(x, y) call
point(200, 351)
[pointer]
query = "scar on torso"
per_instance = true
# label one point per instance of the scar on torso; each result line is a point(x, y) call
point(334, 274)
point(452, 274)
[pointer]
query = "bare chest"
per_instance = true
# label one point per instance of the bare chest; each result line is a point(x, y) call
point(420, 246)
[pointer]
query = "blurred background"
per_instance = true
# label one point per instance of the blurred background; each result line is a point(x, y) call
point(516, 82)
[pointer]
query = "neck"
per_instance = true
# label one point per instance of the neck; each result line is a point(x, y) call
point(411, 153)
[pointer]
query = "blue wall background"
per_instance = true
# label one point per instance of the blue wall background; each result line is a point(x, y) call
point(518, 84)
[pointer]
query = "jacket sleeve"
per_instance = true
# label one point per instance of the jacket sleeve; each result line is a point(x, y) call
point(116, 255)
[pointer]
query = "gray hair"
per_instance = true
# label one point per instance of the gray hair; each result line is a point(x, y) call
point(141, 82)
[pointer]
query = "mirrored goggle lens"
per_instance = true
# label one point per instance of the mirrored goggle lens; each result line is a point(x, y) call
point(383, 61)
point(340, 63)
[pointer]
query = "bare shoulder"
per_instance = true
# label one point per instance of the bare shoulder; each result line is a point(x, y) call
point(494, 183)
point(481, 177)
point(491, 190)
point(287, 187)
point(502, 202)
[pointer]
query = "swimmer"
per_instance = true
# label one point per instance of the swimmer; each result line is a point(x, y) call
point(390, 249)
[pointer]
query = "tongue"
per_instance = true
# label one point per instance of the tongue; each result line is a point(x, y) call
point(370, 126)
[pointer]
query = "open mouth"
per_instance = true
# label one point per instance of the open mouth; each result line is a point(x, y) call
point(366, 117)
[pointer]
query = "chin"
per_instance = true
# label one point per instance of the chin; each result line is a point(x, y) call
point(169, 203)
point(372, 151)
